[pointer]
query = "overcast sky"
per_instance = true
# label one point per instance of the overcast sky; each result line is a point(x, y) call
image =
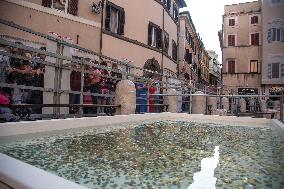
point(207, 18)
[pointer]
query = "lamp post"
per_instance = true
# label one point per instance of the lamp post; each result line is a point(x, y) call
point(281, 105)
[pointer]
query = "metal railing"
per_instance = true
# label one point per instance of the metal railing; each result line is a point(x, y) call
point(57, 63)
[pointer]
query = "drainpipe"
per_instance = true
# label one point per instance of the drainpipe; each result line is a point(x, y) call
point(281, 107)
point(102, 24)
point(178, 30)
point(162, 64)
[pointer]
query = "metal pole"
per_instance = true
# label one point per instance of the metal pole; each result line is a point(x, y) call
point(206, 104)
point(57, 81)
point(281, 107)
point(81, 110)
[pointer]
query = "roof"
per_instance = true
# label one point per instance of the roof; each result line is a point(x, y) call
point(190, 19)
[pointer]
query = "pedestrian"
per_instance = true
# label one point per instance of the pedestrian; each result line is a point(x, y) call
point(75, 86)
point(95, 78)
point(4, 64)
point(151, 91)
point(5, 110)
point(141, 97)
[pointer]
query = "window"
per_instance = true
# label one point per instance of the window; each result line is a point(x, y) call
point(231, 66)
point(67, 6)
point(174, 49)
point(188, 56)
point(254, 66)
point(175, 13)
point(166, 42)
point(189, 38)
point(273, 70)
point(186, 33)
point(282, 70)
point(154, 36)
point(254, 20)
point(60, 5)
point(231, 40)
point(275, 34)
point(168, 4)
point(254, 38)
point(231, 22)
point(115, 19)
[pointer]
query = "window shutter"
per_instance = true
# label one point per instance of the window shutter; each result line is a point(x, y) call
point(269, 35)
point(159, 38)
point(121, 22)
point(186, 55)
point(73, 7)
point(165, 2)
point(190, 58)
point(257, 38)
point(282, 34)
point(269, 71)
point(149, 34)
point(107, 19)
point(46, 3)
point(231, 66)
point(275, 70)
point(231, 40)
point(256, 20)
point(176, 13)
point(174, 50)
point(169, 5)
point(282, 70)
point(252, 39)
point(166, 42)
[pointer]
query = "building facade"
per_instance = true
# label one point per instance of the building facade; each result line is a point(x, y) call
point(71, 19)
point(242, 48)
point(193, 58)
point(115, 28)
point(215, 78)
point(273, 46)
point(149, 40)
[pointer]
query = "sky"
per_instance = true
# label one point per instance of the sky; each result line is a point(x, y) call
point(207, 18)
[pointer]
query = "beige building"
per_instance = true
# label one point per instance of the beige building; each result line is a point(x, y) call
point(193, 58)
point(143, 33)
point(69, 19)
point(242, 48)
point(273, 45)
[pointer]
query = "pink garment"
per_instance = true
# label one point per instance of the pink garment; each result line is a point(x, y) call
point(4, 100)
point(87, 99)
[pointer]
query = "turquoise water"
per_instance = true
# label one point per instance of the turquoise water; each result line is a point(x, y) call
point(164, 154)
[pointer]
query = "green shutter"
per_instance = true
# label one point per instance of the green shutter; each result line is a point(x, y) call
point(121, 22)
point(73, 7)
point(46, 3)
point(150, 34)
point(107, 19)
